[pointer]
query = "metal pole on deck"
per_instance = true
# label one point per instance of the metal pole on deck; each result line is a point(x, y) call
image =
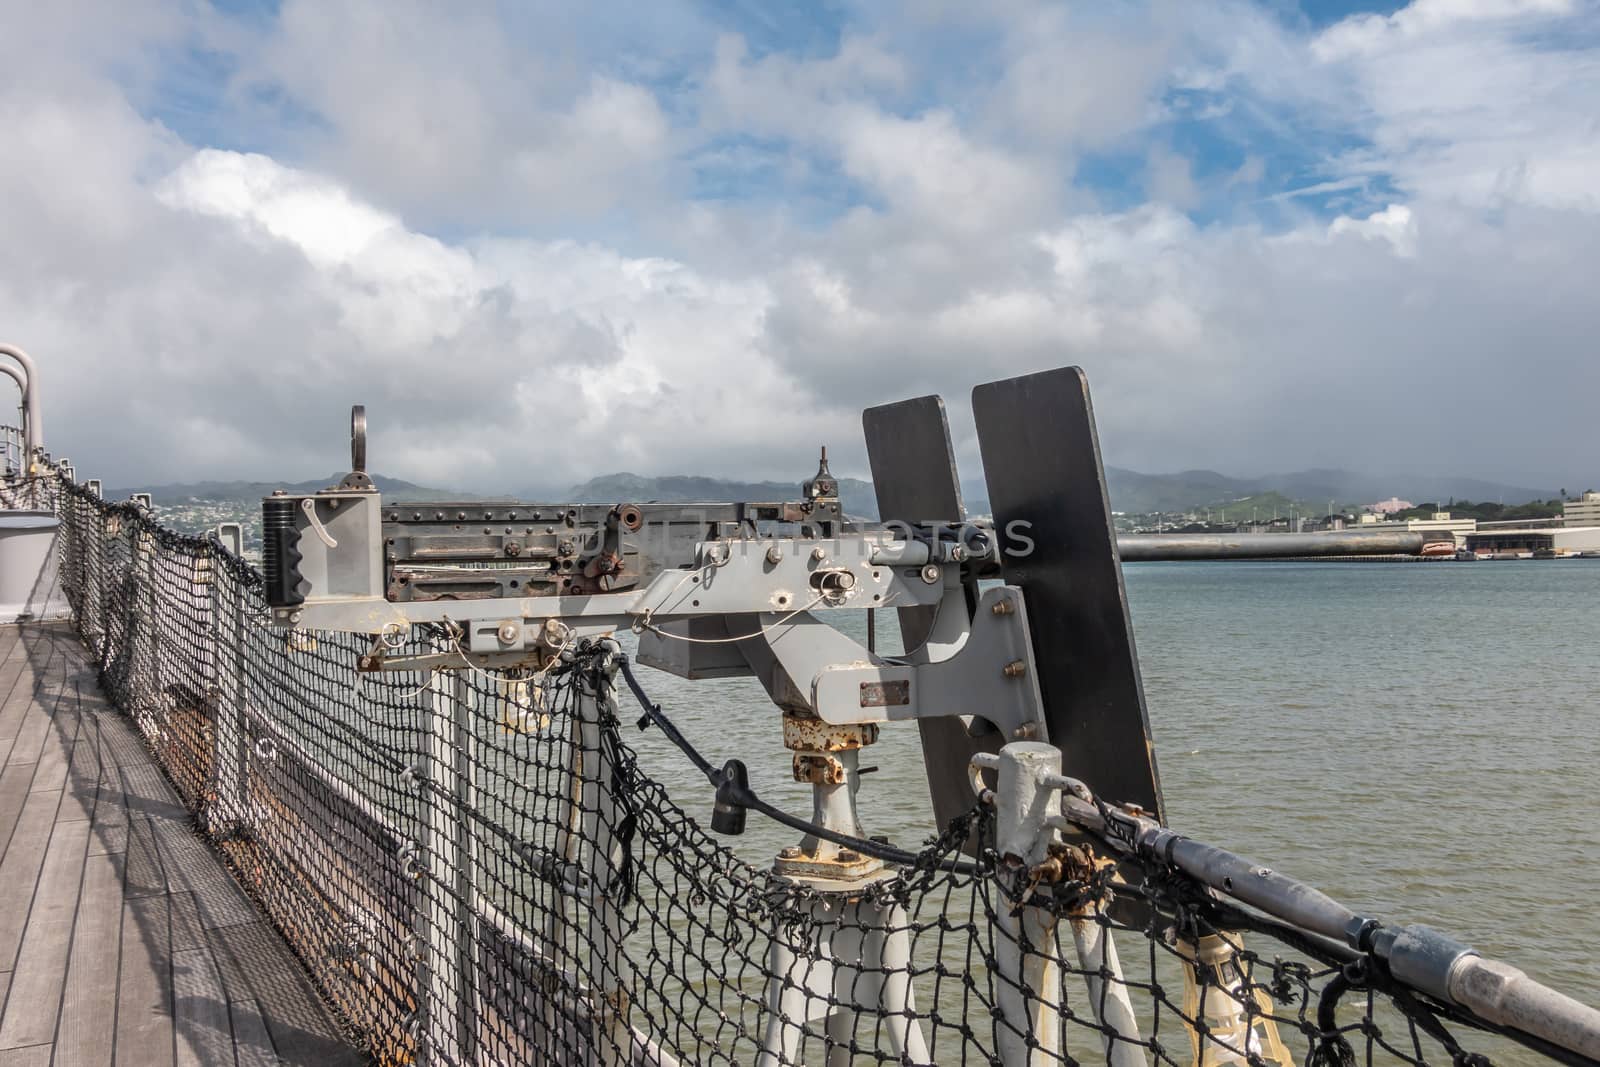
point(107, 527)
point(1027, 1029)
point(77, 516)
point(602, 855)
point(150, 698)
point(16, 375)
point(231, 759)
point(84, 528)
point(447, 905)
point(34, 425)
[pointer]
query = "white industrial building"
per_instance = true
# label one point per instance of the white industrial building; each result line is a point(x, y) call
point(1562, 540)
point(1585, 512)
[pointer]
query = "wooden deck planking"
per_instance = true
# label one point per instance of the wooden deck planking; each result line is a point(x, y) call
point(215, 896)
point(19, 871)
point(251, 1043)
point(123, 939)
point(12, 667)
point(87, 1027)
point(110, 809)
point(144, 984)
point(256, 964)
point(14, 783)
point(200, 1010)
point(141, 862)
point(33, 1056)
point(41, 968)
point(55, 751)
point(80, 786)
point(31, 707)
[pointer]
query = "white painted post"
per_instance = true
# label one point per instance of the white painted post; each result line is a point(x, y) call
point(602, 859)
point(857, 954)
point(447, 906)
point(1027, 795)
point(149, 696)
point(229, 627)
point(1113, 1009)
point(229, 632)
point(1026, 964)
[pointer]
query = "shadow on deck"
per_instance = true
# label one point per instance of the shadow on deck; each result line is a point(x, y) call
point(123, 938)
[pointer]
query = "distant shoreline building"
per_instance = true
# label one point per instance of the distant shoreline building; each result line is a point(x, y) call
point(1390, 506)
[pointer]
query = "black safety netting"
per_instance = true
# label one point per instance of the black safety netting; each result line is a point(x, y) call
point(475, 867)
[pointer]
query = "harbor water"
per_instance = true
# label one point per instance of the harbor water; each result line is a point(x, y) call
point(1421, 741)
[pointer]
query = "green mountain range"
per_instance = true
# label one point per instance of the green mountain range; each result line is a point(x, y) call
point(192, 492)
point(1138, 493)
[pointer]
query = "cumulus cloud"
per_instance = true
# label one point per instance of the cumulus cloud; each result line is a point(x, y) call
point(1483, 101)
point(1393, 224)
point(1373, 32)
point(535, 263)
point(452, 114)
point(491, 362)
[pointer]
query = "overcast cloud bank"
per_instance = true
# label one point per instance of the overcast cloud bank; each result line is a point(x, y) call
point(544, 241)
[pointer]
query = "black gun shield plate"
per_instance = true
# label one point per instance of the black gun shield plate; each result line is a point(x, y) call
point(1041, 459)
point(914, 474)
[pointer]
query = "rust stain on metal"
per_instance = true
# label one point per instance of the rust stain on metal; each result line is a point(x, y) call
point(826, 863)
point(814, 735)
point(818, 768)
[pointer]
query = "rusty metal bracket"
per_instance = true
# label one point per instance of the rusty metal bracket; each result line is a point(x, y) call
point(806, 734)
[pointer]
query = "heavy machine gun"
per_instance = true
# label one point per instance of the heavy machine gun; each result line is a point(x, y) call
point(718, 590)
point(729, 589)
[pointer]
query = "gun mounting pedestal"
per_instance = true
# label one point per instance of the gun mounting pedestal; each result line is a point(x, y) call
point(828, 757)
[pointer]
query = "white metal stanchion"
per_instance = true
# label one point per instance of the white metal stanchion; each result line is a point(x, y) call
point(1027, 796)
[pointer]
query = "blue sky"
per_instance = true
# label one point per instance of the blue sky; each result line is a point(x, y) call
point(1276, 235)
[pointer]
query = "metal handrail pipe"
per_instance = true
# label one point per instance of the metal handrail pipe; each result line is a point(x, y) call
point(15, 373)
point(1507, 997)
point(12, 371)
point(1416, 955)
point(33, 428)
point(1169, 547)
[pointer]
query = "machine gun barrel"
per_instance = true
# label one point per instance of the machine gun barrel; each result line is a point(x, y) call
point(1138, 547)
